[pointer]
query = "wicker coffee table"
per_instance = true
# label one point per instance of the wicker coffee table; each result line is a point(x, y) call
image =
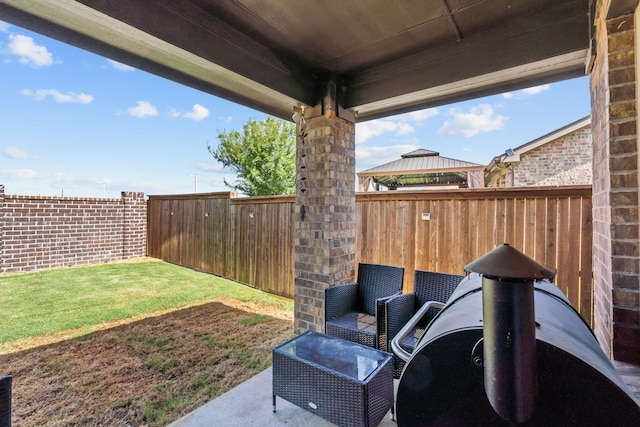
point(341, 381)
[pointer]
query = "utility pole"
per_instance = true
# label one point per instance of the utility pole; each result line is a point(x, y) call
point(104, 188)
point(195, 182)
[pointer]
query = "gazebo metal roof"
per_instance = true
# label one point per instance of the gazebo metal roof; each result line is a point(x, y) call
point(421, 168)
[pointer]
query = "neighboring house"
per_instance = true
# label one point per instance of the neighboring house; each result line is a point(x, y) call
point(562, 157)
point(422, 169)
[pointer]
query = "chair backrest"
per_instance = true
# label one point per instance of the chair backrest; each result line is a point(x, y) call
point(434, 286)
point(377, 281)
point(5, 401)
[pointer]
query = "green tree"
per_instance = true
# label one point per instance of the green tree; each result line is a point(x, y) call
point(262, 156)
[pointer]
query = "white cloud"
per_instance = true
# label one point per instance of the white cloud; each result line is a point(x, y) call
point(59, 97)
point(373, 128)
point(536, 89)
point(400, 125)
point(210, 167)
point(526, 92)
point(22, 174)
point(28, 52)
point(120, 66)
point(198, 113)
point(142, 109)
point(75, 185)
point(368, 157)
point(15, 153)
point(477, 120)
point(420, 115)
point(404, 129)
point(4, 27)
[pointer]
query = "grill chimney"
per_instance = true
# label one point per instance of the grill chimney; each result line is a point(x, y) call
point(509, 343)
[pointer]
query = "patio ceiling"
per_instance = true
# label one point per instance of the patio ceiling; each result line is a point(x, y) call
point(385, 56)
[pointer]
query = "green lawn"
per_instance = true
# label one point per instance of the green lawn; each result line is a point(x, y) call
point(80, 299)
point(137, 343)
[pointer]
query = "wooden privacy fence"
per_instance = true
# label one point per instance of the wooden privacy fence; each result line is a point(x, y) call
point(251, 240)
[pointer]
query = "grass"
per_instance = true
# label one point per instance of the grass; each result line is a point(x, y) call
point(84, 299)
point(138, 344)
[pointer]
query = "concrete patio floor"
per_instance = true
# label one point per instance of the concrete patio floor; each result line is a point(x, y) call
point(250, 404)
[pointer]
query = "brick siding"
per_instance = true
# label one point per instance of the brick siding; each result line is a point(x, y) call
point(616, 234)
point(565, 161)
point(47, 232)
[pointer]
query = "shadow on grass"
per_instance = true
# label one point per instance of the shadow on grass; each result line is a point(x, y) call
point(150, 372)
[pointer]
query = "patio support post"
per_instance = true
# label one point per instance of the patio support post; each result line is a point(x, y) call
point(616, 185)
point(325, 206)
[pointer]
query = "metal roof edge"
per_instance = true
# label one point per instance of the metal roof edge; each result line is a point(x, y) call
point(370, 172)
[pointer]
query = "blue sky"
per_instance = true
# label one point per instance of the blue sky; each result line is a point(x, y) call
point(79, 125)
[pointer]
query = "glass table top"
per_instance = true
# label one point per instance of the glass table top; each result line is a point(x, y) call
point(339, 355)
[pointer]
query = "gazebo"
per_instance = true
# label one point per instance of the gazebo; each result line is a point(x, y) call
point(422, 168)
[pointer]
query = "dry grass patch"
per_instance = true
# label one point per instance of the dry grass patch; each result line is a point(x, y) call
point(149, 372)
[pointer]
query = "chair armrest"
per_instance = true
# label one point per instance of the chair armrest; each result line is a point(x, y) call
point(381, 306)
point(406, 330)
point(398, 311)
point(380, 302)
point(381, 321)
point(339, 300)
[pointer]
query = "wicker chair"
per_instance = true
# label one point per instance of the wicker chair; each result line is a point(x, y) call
point(354, 311)
point(5, 401)
point(427, 286)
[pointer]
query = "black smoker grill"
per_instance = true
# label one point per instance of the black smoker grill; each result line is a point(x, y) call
point(511, 369)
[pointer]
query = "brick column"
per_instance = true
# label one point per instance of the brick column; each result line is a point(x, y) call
point(134, 229)
point(325, 214)
point(616, 251)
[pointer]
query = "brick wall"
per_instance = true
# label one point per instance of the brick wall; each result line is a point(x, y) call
point(46, 232)
point(565, 161)
point(616, 251)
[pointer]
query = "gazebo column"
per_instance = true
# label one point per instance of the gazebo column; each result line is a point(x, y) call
point(325, 207)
